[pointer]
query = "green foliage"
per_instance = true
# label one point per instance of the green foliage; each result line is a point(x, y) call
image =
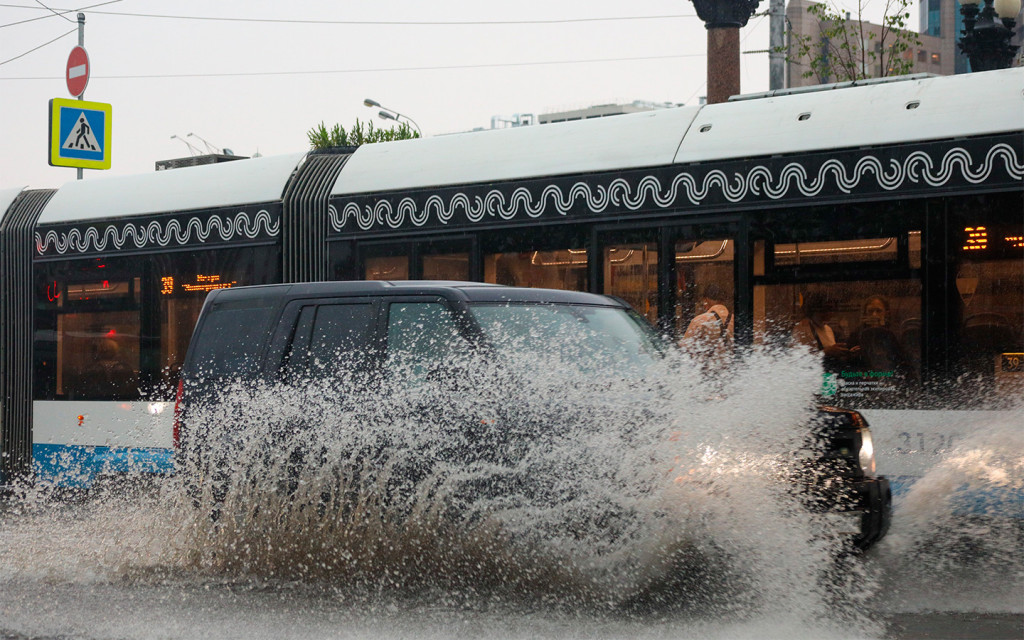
point(361, 133)
point(850, 49)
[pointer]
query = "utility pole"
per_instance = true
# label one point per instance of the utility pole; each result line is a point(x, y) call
point(776, 42)
point(81, 43)
point(723, 20)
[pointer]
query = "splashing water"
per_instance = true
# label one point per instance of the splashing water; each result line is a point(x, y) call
point(478, 485)
point(957, 541)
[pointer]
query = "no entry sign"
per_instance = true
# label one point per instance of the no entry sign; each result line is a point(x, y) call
point(77, 72)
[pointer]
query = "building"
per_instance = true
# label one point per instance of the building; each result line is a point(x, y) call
point(935, 54)
point(942, 19)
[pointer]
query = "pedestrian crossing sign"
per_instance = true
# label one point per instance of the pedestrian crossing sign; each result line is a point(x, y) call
point(80, 134)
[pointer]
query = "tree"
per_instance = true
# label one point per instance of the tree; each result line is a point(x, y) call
point(849, 48)
point(361, 133)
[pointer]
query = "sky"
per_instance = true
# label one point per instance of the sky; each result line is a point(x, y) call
point(255, 75)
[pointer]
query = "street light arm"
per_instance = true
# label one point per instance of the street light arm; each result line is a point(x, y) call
point(387, 113)
point(191, 149)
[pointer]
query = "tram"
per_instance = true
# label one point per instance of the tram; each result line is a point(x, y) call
point(886, 217)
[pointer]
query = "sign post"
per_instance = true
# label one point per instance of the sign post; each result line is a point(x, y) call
point(81, 94)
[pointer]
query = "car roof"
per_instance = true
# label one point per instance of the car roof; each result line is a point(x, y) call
point(467, 291)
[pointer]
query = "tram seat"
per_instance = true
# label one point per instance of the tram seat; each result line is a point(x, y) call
point(986, 335)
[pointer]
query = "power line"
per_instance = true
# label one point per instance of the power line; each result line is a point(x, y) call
point(49, 15)
point(60, 15)
point(354, 22)
point(39, 47)
point(372, 70)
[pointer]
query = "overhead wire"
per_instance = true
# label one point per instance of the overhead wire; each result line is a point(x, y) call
point(59, 15)
point(372, 70)
point(352, 22)
point(55, 12)
point(63, 35)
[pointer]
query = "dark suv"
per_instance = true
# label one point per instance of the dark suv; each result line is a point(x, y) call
point(277, 333)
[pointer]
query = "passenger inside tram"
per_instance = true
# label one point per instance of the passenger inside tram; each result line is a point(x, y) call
point(814, 329)
point(876, 346)
point(709, 336)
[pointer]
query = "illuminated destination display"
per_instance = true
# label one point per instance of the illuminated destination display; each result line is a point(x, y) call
point(977, 238)
point(200, 284)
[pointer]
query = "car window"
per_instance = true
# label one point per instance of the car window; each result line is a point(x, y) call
point(422, 336)
point(231, 339)
point(330, 341)
point(592, 338)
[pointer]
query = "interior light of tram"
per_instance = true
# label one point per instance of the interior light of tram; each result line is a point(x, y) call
point(977, 238)
point(1017, 242)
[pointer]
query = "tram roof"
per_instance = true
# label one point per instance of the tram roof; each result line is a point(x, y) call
point(226, 184)
point(852, 116)
point(7, 197)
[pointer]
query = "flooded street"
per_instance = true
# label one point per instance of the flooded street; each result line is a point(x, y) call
point(677, 521)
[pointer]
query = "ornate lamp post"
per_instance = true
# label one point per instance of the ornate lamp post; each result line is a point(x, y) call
point(987, 32)
point(723, 20)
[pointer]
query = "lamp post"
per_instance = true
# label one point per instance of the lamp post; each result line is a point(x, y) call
point(723, 20)
point(987, 31)
point(390, 114)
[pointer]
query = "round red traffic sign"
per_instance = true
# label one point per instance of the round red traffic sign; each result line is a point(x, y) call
point(77, 72)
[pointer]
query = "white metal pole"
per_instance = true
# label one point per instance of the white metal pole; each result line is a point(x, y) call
point(81, 43)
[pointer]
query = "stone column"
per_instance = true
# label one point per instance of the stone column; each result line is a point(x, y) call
point(724, 19)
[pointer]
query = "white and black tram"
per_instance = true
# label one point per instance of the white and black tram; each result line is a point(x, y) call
point(886, 218)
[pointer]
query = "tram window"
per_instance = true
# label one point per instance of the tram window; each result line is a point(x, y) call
point(98, 355)
point(182, 283)
point(631, 273)
point(836, 251)
point(990, 283)
point(103, 333)
point(702, 267)
point(868, 333)
point(560, 269)
point(386, 268)
point(448, 266)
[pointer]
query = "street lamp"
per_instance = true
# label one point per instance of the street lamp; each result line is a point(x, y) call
point(987, 32)
point(192, 150)
point(390, 114)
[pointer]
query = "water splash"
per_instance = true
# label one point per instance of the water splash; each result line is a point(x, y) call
point(479, 485)
point(957, 540)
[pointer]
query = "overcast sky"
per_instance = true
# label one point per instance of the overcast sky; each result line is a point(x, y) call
point(255, 75)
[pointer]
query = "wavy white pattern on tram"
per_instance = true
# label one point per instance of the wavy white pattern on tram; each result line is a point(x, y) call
point(916, 168)
point(156, 233)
